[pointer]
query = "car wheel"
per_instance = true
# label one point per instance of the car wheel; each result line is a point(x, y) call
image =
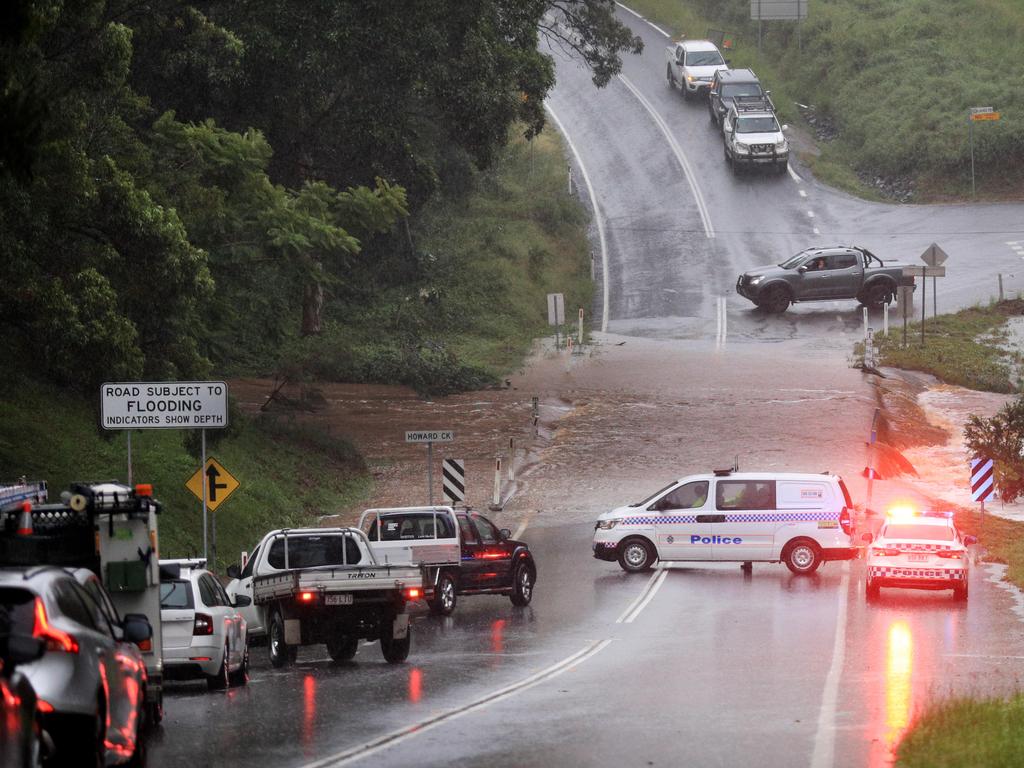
point(241, 675)
point(522, 585)
point(155, 710)
point(683, 88)
point(781, 168)
point(395, 651)
point(635, 555)
point(668, 75)
point(342, 648)
point(711, 114)
point(280, 653)
point(443, 602)
point(803, 558)
point(960, 592)
point(221, 680)
point(876, 295)
point(138, 759)
point(775, 300)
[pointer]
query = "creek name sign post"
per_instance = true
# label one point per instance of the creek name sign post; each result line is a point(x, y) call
point(430, 436)
point(778, 10)
point(198, 405)
point(977, 115)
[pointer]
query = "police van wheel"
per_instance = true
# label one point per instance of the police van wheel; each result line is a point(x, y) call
point(803, 558)
point(636, 555)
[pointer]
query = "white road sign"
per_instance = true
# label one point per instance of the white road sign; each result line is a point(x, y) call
point(556, 309)
point(934, 256)
point(430, 436)
point(164, 405)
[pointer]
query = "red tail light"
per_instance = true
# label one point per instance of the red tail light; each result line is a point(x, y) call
point(845, 522)
point(953, 554)
point(307, 597)
point(413, 593)
point(145, 645)
point(44, 707)
point(56, 640)
point(885, 551)
point(203, 625)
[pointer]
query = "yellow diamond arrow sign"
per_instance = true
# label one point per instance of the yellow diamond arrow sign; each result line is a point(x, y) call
point(219, 483)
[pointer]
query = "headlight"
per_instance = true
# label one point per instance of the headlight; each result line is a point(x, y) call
point(691, 78)
point(782, 146)
point(607, 525)
point(756, 280)
point(741, 147)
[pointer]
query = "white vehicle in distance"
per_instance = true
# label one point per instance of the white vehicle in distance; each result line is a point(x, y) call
point(918, 550)
point(692, 64)
point(802, 520)
point(204, 632)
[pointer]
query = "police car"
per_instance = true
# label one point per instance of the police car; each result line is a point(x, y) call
point(918, 551)
point(799, 519)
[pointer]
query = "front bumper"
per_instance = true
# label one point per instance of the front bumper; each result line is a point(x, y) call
point(776, 158)
point(746, 290)
point(606, 550)
point(698, 86)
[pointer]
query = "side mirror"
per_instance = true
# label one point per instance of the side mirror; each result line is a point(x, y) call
point(867, 538)
point(505, 533)
point(968, 540)
point(136, 628)
point(241, 601)
point(785, 127)
point(21, 649)
point(234, 572)
point(767, 93)
point(802, 268)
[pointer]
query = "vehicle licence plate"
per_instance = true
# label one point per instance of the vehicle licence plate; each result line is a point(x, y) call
point(338, 599)
point(917, 558)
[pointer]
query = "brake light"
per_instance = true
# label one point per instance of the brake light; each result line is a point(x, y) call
point(203, 625)
point(885, 551)
point(413, 593)
point(307, 597)
point(953, 554)
point(845, 522)
point(145, 645)
point(56, 640)
point(44, 707)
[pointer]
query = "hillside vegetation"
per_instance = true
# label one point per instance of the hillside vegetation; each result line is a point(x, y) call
point(893, 78)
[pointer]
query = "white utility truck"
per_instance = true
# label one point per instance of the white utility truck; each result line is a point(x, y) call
point(324, 585)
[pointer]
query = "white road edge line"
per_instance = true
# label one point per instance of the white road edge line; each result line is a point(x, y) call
point(825, 737)
point(520, 529)
point(647, 21)
point(643, 594)
point(597, 217)
point(368, 748)
point(678, 152)
point(794, 175)
point(650, 596)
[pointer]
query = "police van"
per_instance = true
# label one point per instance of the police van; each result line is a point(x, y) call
point(799, 519)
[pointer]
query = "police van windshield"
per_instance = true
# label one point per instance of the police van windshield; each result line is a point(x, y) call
point(911, 531)
point(653, 496)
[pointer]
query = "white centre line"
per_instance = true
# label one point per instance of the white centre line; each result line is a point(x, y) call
point(597, 217)
point(653, 585)
point(825, 738)
point(803, 193)
point(810, 214)
point(360, 751)
point(702, 208)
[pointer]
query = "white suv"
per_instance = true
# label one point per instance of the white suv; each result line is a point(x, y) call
point(799, 519)
point(753, 136)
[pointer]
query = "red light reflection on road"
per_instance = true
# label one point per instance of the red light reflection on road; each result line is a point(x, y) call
point(498, 636)
point(309, 709)
point(415, 685)
point(899, 667)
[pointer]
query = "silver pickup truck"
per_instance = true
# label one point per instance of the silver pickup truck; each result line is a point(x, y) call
point(324, 585)
point(820, 274)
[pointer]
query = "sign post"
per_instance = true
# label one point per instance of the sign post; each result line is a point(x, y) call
point(198, 405)
point(556, 313)
point(934, 256)
point(976, 114)
point(982, 483)
point(430, 436)
point(922, 272)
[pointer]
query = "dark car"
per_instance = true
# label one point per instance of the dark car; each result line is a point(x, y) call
point(726, 85)
point(20, 734)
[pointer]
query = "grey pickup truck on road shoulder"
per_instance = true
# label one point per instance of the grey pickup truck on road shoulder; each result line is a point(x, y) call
point(820, 274)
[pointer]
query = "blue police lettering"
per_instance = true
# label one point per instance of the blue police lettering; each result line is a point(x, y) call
point(715, 540)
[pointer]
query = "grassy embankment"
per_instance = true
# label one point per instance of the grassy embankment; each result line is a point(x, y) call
point(518, 235)
point(895, 77)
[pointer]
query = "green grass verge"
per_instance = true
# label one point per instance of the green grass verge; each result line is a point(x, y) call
point(966, 348)
point(288, 475)
point(963, 733)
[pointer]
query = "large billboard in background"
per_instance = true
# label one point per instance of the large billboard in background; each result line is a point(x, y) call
point(778, 10)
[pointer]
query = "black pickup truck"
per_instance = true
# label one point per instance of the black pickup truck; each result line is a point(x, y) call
point(818, 274)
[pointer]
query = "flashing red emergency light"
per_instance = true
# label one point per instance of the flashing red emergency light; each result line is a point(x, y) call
point(144, 489)
point(307, 597)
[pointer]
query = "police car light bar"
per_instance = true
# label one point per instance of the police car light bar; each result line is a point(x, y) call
point(13, 494)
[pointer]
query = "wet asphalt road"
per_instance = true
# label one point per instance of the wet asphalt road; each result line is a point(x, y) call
point(701, 665)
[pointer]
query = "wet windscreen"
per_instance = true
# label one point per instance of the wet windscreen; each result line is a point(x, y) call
point(314, 551)
point(176, 595)
point(757, 125)
point(653, 496)
point(910, 531)
point(732, 90)
point(704, 59)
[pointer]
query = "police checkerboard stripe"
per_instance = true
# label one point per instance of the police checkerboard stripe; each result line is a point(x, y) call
point(882, 571)
point(774, 517)
point(982, 480)
point(453, 478)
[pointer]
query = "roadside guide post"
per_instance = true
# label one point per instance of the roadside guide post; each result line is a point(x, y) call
point(982, 483)
point(974, 114)
point(869, 471)
point(198, 405)
point(556, 313)
point(430, 437)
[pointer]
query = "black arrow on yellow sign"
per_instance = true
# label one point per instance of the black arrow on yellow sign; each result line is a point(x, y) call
point(212, 473)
